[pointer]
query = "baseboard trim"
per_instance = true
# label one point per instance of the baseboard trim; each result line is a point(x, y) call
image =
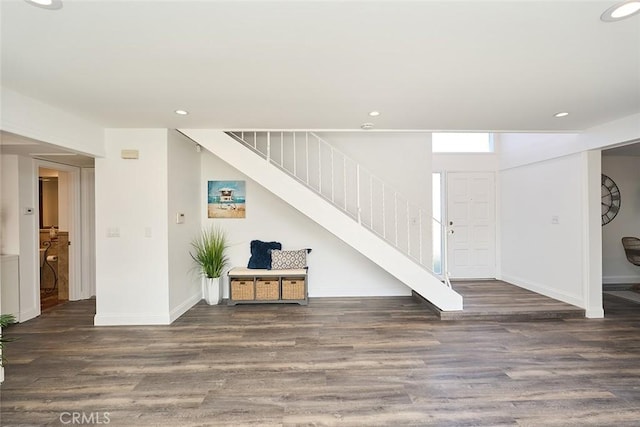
point(612, 280)
point(543, 290)
point(184, 307)
point(29, 314)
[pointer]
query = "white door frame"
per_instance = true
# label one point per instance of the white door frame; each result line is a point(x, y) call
point(75, 229)
point(88, 224)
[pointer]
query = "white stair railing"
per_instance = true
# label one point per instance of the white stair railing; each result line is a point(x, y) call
point(350, 187)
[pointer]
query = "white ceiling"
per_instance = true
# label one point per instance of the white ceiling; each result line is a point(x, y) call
point(427, 65)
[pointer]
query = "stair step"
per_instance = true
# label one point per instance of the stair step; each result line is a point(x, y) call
point(495, 300)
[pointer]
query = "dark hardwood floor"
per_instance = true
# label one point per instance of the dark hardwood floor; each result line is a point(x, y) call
point(349, 361)
point(48, 300)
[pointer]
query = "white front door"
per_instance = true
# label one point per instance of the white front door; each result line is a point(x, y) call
point(471, 221)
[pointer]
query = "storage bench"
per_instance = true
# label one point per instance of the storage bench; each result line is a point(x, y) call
point(251, 286)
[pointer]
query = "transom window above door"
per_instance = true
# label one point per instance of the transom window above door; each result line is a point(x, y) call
point(452, 142)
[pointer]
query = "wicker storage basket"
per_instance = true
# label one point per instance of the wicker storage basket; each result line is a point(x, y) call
point(242, 290)
point(293, 288)
point(267, 290)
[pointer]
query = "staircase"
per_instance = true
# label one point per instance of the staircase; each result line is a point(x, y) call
point(341, 196)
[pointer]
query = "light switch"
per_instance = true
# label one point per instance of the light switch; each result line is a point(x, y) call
point(147, 232)
point(555, 219)
point(179, 218)
point(113, 232)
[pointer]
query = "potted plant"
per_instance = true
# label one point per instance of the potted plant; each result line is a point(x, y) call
point(209, 254)
point(5, 320)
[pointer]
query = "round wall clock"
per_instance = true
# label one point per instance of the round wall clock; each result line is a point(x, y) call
point(610, 199)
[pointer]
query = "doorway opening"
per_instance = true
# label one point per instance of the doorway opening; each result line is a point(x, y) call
point(53, 209)
point(620, 207)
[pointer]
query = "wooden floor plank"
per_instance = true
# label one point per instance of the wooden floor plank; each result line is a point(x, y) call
point(338, 361)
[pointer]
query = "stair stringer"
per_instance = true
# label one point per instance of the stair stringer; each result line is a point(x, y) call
point(328, 216)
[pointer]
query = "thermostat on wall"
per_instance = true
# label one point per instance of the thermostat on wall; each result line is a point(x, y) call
point(129, 154)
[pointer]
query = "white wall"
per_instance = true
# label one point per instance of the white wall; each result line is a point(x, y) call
point(335, 269)
point(517, 149)
point(536, 253)
point(28, 239)
point(401, 160)
point(34, 119)
point(19, 231)
point(9, 209)
point(132, 272)
point(625, 171)
point(184, 196)
point(526, 157)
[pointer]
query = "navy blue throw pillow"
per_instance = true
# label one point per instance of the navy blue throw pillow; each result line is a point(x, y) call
point(261, 254)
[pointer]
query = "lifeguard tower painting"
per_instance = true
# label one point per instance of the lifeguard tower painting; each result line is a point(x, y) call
point(226, 199)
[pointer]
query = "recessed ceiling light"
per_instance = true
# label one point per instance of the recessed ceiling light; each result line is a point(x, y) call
point(181, 112)
point(367, 126)
point(46, 4)
point(621, 11)
point(374, 113)
point(561, 114)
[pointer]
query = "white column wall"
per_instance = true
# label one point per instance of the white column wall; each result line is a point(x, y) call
point(591, 233)
point(132, 272)
point(29, 239)
point(9, 209)
point(19, 230)
point(184, 197)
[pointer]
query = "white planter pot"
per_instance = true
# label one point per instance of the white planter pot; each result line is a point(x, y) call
point(211, 290)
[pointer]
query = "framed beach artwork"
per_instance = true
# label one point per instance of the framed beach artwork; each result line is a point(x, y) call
point(226, 199)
